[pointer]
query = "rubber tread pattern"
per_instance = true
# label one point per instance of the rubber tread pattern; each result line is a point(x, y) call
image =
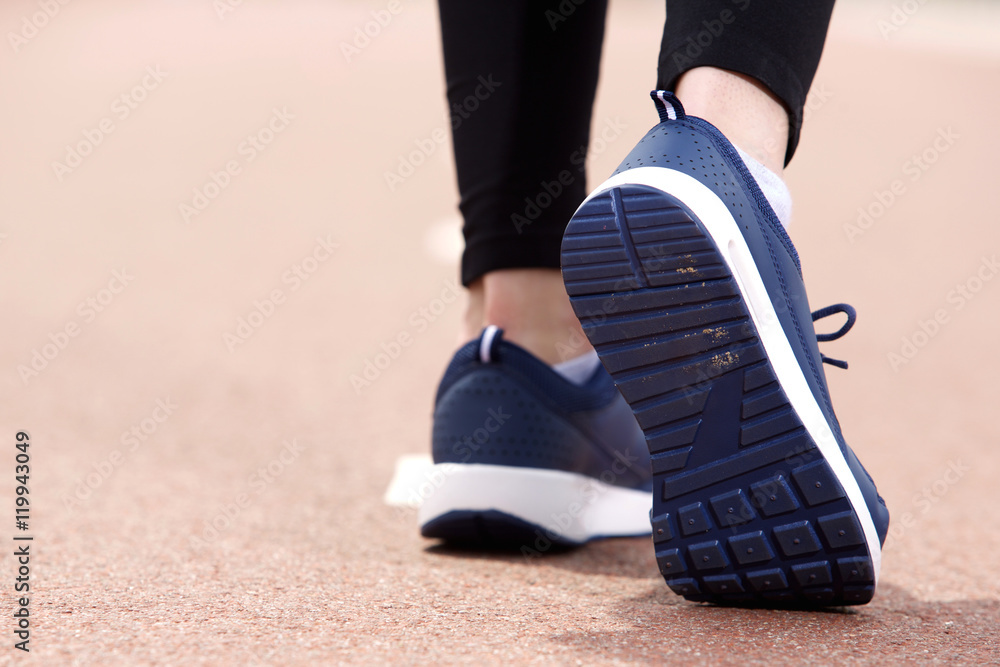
point(746, 509)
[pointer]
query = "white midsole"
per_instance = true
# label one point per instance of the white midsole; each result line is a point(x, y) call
point(715, 216)
point(572, 506)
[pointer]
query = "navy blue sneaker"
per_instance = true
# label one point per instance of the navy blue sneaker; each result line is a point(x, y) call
point(526, 459)
point(691, 292)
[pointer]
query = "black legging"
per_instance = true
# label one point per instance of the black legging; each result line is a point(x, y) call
point(522, 75)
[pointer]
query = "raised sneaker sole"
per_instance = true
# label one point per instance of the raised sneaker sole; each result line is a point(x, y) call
point(753, 500)
point(507, 506)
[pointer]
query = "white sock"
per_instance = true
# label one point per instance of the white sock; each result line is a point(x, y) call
point(772, 186)
point(578, 369)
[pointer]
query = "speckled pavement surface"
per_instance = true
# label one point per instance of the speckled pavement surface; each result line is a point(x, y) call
point(206, 480)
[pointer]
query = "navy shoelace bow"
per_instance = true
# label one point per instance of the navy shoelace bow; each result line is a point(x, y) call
point(852, 316)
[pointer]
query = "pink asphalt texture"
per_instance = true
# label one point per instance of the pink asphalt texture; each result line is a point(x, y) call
point(309, 565)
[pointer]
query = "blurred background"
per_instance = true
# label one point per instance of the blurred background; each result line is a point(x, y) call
point(219, 217)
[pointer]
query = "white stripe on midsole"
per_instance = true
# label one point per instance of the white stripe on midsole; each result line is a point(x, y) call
point(573, 506)
point(715, 216)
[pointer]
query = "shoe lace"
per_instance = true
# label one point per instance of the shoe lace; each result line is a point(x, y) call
point(852, 316)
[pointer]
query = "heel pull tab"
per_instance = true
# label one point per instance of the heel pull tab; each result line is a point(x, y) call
point(667, 105)
point(488, 343)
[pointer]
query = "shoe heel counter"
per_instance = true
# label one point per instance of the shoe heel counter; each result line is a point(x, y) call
point(486, 417)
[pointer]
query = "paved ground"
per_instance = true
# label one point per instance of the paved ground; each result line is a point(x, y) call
point(206, 482)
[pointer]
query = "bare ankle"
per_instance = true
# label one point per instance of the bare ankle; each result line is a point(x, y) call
point(532, 308)
point(473, 319)
point(742, 108)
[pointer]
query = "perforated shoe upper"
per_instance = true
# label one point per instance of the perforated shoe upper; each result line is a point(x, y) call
point(500, 405)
